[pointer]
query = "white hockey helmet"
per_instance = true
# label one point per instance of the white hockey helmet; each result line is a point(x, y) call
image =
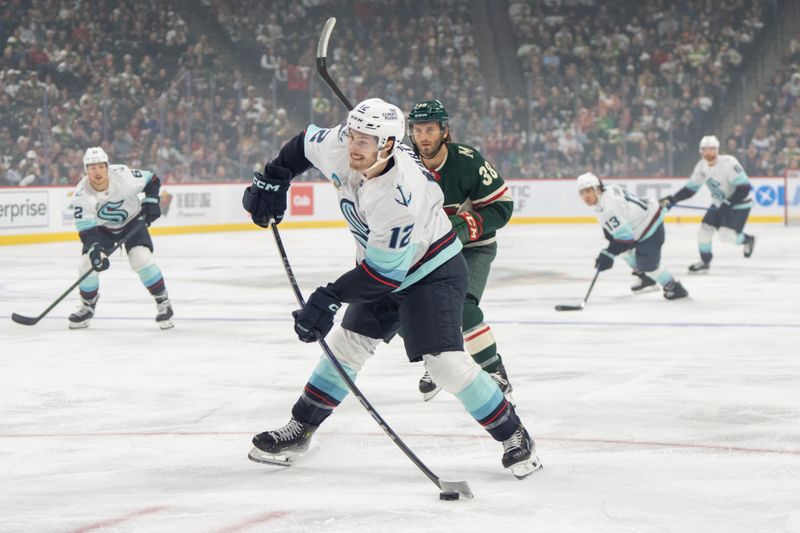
point(380, 119)
point(588, 180)
point(709, 141)
point(95, 154)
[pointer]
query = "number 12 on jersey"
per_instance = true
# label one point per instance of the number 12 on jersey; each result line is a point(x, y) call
point(400, 236)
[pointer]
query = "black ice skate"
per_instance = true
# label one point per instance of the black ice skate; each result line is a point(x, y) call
point(674, 290)
point(427, 387)
point(164, 313)
point(749, 244)
point(701, 267)
point(80, 318)
point(644, 284)
point(519, 454)
point(501, 378)
point(282, 446)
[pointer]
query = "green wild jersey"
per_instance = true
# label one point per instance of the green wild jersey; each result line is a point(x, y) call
point(469, 182)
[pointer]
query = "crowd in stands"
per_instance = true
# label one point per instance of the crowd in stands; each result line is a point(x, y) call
point(609, 85)
point(766, 142)
point(614, 85)
point(130, 77)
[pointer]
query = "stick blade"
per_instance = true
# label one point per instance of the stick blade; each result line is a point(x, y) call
point(569, 307)
point(322, 45)
point(460, 487)
point(24, 320)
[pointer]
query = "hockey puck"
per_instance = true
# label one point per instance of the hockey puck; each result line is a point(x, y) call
point(448, 496)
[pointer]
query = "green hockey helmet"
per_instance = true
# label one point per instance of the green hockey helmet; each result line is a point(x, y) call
point(429, 111)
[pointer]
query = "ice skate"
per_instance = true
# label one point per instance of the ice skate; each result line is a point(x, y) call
point(501, 378)
point(644, 284)
point(749, 244)
point(701, 267)
point(674, 290)
point(164, 316)
point(83, 315)
point(519, 454)
point(427, 387)
point(282, 446)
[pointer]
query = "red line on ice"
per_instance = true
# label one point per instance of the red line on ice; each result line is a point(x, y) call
point(258, 519)
point(118, 520)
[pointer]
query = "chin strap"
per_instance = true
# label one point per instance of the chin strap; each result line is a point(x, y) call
point(379, 160)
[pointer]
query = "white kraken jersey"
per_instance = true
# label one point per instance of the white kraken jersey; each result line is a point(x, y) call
point(626, 217)
point(114, 207)
point(396, 218)
point(722, 179)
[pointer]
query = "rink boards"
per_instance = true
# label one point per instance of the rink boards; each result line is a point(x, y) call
point(44, 214)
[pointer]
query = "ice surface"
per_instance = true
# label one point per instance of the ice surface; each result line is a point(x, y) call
point(649, 415)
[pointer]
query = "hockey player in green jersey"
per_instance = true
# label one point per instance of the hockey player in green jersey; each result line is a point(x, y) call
point(479, 203)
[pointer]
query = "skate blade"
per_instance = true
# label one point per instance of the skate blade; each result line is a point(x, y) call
point(698, 272)
point(260, 456)
point(79, 325)
point(428, 396)
point(524, 469)
point(651, 288)
point(165, 324)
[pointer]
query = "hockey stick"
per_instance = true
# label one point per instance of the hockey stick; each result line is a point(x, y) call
point(32, 321)
point(583, 303)
point(322, 53)
point(699, 208)
point(460, 487)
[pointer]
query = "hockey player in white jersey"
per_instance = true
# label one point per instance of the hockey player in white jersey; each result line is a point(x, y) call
point(106, 204)
point(633, 225)
point(730, 192)
point(408, 271)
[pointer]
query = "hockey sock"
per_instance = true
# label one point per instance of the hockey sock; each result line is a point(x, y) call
point(483, 400)
point(480, 344)
point(89, 287)
point(458, 374)
point(324, 391)
point(152, 279)
point(731, 236)
point(704, 236)
point(662, 276)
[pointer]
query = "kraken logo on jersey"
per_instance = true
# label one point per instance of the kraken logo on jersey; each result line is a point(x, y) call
point(358, 227)
point(112, 213)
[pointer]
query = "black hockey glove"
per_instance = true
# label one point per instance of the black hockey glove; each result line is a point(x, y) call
point(604, 261)
point(150, 210)
point(315, 319)
point(266, 197)
point(468, 225)
point(667, 202)
point(98, 257)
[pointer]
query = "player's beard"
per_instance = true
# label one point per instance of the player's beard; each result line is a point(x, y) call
point(432, 151)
